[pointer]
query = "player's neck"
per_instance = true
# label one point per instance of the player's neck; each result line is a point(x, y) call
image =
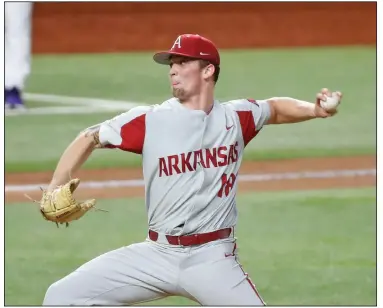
point(203, 101)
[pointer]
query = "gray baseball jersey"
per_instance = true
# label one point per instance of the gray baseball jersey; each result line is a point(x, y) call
point(190, 159)
point(190, 164)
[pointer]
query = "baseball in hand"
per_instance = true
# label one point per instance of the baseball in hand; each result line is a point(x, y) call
point(331, 102)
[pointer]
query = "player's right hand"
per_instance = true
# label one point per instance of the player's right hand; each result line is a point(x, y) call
point(321, 112)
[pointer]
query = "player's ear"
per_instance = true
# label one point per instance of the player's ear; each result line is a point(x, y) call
point(208, 71)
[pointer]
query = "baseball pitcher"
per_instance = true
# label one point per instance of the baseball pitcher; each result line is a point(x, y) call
point(192, 147)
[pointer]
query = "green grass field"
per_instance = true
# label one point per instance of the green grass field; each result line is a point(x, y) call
point(300, 248)
point(259, 74)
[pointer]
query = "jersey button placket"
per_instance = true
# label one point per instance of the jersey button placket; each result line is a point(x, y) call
point(198, 167)
point(204, 121)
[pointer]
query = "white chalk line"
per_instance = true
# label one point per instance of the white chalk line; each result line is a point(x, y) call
point(62, 110)
point(88, 101)
point(81, 105)
point(326, 174)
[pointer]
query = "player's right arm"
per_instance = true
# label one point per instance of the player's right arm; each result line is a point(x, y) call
point(284, 110)
point(125, 131)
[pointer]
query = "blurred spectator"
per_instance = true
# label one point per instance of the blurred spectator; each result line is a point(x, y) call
point(18, 17)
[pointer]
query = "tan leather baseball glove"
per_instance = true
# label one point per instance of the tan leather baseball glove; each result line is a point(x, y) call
point(61, 207)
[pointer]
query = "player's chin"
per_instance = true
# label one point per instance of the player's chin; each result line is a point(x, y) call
point(179, 93)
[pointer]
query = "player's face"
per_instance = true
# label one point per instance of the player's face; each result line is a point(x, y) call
point(185, 77)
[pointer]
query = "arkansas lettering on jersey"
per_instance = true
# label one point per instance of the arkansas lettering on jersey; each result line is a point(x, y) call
point(207, 158)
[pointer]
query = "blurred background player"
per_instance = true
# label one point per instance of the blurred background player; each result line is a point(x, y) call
point(17, 43)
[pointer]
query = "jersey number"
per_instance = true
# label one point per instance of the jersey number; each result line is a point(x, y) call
point(227, 183)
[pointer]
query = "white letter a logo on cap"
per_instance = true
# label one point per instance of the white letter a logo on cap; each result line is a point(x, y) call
point(177, 42)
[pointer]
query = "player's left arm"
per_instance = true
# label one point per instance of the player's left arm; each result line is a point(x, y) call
point(289, 110)
point(125, 131)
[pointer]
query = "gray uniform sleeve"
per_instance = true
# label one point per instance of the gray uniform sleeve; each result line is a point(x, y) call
point(252, 115)
point(260, 110)
point(125, 131)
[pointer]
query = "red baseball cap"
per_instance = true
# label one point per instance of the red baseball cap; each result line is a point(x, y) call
point(192, 46)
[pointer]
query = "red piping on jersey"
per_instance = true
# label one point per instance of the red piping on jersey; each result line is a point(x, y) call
point(249, 131)
point(253, 101)
point(133, 135)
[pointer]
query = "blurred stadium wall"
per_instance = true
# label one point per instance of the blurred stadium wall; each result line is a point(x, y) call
point(119, 27)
